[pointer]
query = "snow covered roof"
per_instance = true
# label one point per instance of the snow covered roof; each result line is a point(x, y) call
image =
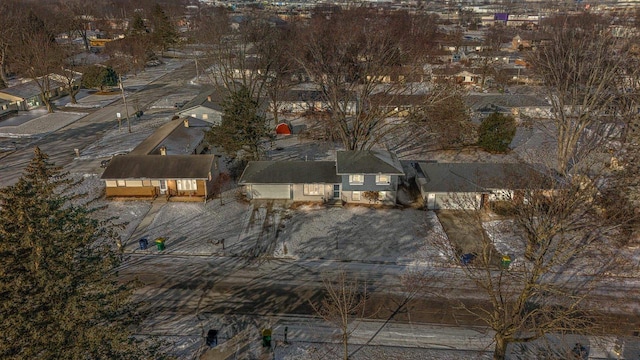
point(176, 138)
point(476, 177)
point(159, 167)
point(27, 90)
point(290, 172)
point(208, 98)
point(368, 162)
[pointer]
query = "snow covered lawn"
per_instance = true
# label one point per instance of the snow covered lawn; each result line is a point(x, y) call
point(354, 233)
point(41, 125)
point(195, 228)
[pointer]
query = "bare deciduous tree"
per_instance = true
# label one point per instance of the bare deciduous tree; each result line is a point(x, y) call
point(563, 246)
point(9, 30)
point(579, 71)
point(344, 303)
point(37, 58)
point(356, 54)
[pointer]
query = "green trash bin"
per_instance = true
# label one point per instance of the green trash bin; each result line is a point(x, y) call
point(266, 337)
point(506, 261)
point(160, 244)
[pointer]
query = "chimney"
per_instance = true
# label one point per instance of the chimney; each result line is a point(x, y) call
point(163, 150)
point(209, 98)
point(186, 123)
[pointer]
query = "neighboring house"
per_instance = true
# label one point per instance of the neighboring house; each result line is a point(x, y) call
point(170, 163)
point(471, 185)
point(291, 180)
point(393, 105)
point(206, 106)
point(7, 109)
point(467, 78)
point(353, 176)
point(369, 171)
point(307, 100)
point(27, 95)
point(514, 104)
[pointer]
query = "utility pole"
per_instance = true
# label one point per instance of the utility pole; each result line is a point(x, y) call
point(124, 99)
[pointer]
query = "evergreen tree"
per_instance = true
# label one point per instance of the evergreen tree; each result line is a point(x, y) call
point(164, 32)
point(60, 298)
point(496, 132)
point(98, 77)
point(242, 127)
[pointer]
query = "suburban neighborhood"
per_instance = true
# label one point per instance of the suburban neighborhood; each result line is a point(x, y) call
point(312, 180)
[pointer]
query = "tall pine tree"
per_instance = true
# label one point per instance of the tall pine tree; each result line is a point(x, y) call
point(59, 295)
point(243, 129)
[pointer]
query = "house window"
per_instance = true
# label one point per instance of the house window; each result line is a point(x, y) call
point(355, 195)
point(122, 183)
point(356, 179)
point(187, 185)
point(205, 116)
point(383, 179)
point(312, 189)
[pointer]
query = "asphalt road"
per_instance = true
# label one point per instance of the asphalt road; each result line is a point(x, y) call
point(231, 285)
point(60, 144)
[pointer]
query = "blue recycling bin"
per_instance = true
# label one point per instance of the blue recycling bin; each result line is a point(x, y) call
point(144, 243)
point(466, 259)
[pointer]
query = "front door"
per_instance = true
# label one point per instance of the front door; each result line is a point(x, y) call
point(163, 186)
point(336, 191)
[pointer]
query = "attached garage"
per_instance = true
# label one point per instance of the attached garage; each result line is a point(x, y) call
point(270, 191)
point(458, 201)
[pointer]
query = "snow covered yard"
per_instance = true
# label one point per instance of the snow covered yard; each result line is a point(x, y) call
point(120, 141)
point(41, 125)
point(196, 228)
point(354, 233)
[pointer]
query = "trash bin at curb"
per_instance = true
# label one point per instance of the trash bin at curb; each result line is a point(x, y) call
point(506, 261)
point(144, 243)
point(266, 337)
point(160, 243)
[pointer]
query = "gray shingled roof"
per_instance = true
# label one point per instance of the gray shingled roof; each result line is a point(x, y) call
point(475, 177)
point(368, 162)
point(175, 137)
point(477, 101)
point(202, 99)
point(28, 89)
point(159, 167)
point(290, 172)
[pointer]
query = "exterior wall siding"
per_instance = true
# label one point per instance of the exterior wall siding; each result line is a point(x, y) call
point(145, 191)
point(370, 184)
point(388, 199)
point(213, 116)
point(326, 193)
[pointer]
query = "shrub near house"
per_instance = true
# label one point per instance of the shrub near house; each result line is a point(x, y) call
point(496, 132)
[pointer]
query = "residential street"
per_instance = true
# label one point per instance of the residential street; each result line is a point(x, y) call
point(273, 274)
point(146, 88)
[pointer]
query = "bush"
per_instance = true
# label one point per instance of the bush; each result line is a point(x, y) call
point(98, 77)
point(496, 132)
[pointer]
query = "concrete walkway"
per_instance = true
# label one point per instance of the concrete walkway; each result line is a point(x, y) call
point(141, 229)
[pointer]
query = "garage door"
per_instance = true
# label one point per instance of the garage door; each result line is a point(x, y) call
point(271, 191)
point(460, 201)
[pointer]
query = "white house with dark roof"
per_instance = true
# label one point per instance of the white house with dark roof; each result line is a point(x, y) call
point(474, 185)
point(354, 177)
point(206, 106)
